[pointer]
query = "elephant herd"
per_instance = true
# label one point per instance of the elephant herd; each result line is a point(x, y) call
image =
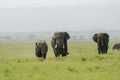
point(60, 47)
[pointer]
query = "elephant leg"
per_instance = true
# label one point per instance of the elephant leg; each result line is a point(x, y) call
point(106, 48)
point(106, 45)
point(99, 48)
point(63, 55)
point(103, 50)
point(63, 52)
point(38, 54)
point(56, 52)
point(99, 51)
point(66, 48)
point(44, 56)
point(58, 55)
point(60, 52)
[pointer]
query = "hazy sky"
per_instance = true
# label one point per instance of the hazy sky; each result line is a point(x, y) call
point(58, 15)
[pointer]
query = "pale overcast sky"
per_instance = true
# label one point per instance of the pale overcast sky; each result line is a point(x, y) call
point(39, 3)
point(58, 15)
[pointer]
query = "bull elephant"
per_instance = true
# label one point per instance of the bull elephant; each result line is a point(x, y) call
point(41, 49)
point(116, 46)
point(102, 40)
point(59, 43)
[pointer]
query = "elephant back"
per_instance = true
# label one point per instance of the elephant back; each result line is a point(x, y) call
point(58, 35)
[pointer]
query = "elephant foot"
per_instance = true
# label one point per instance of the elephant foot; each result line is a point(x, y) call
point(67, 53)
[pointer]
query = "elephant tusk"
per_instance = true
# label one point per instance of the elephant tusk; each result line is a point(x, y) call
point(63, 46)
point(56, 46)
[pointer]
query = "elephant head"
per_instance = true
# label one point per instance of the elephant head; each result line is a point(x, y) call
point(59, 44)
point(61, 35)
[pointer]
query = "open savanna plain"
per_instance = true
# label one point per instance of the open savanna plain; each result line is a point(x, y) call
point(18, 62)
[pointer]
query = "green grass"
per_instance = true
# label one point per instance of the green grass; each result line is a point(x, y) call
point(18, 62)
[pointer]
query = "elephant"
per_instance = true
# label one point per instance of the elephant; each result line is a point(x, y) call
point(116, 46)
point(102, 40)
point(59, 43)
point(41, 49)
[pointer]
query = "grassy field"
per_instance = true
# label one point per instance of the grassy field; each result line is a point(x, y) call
point(18, 62)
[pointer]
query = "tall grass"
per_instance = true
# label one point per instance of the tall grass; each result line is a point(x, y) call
point(18, 62)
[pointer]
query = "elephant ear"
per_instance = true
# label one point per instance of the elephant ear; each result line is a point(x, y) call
point(106, 35)
point(66, 35)
point(36, 44)
point(39, 44)
point(95, 37)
